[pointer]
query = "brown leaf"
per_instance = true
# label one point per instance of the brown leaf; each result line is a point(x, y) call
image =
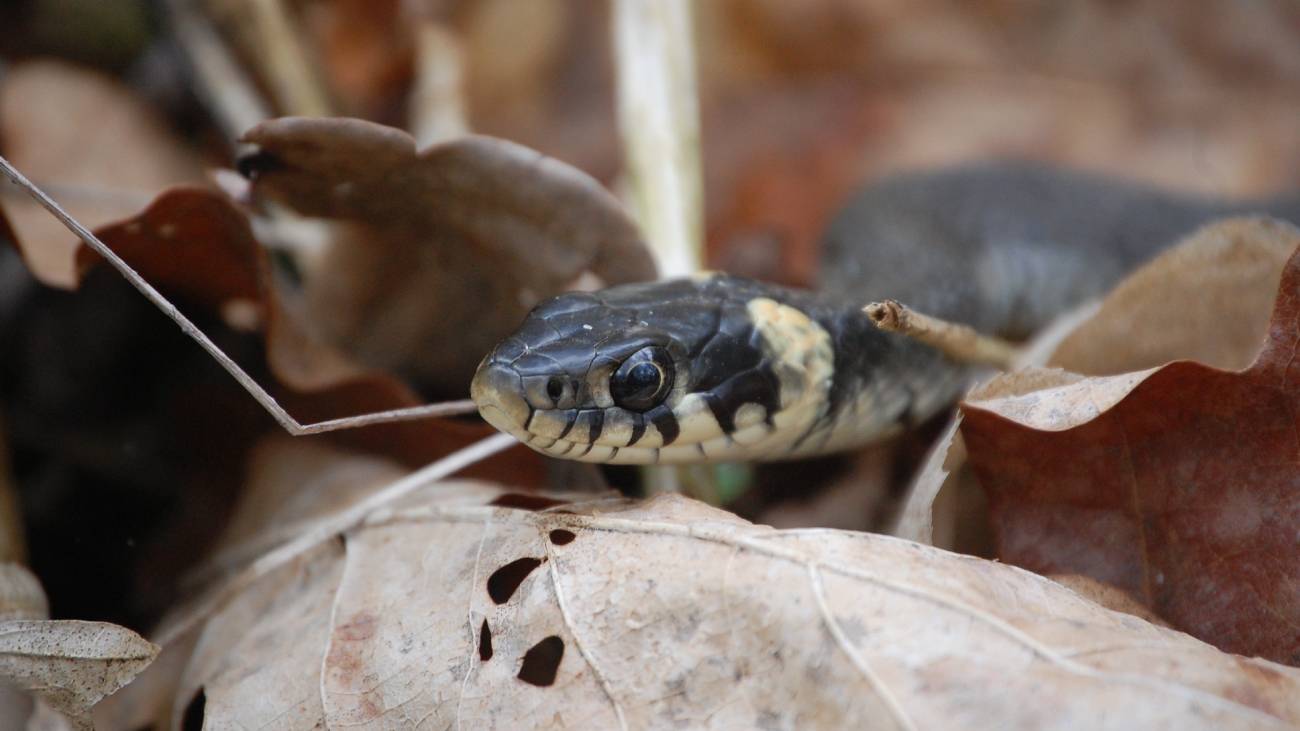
point(454, 606)
point(1176, 484)
point(452, 244)
point(102, 149)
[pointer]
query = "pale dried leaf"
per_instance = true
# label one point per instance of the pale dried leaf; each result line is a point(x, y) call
point(71, 664)
point(101, 151)
point(1034, 398)
point(1207, 300)
point(916, 518)
point(672, 613)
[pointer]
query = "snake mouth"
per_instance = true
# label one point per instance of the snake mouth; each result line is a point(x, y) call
point(588, 434)
point(498, 393)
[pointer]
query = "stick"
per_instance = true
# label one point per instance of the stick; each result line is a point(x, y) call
point(264, 398)
point(958, 342)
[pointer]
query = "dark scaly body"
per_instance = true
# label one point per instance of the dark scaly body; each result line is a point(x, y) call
point(1007, 247)
point(757, 371)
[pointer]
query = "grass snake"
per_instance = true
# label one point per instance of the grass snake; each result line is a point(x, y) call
point(722, 368)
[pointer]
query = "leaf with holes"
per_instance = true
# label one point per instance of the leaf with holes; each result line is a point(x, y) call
point(1176, 484)
point(470, 605)
point(454, 243)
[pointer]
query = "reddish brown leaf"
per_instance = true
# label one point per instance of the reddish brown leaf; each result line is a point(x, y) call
point(1178, 485)
point(188, 231)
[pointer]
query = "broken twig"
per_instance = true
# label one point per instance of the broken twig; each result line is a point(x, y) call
point(958, 342)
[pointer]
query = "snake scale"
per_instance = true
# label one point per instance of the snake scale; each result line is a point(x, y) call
point(722, 368)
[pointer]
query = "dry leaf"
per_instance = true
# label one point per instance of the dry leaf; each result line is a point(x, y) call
point(1174, 484)
point(1173, 307)
point(452, 244)
point(1207, 300)
point(102, 169)
point(71, 664)
point(468, 604)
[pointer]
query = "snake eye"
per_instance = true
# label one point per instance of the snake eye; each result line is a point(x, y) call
point(643, 380)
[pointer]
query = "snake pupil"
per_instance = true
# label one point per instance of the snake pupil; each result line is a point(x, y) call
point(643, 380)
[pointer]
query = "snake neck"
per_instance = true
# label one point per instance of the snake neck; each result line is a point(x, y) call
point(825, 377)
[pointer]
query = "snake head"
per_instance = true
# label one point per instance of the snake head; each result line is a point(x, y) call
point(680, 371)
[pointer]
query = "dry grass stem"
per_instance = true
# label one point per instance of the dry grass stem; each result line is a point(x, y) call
point(438, 110)
point(285, 61)
point(660, 122)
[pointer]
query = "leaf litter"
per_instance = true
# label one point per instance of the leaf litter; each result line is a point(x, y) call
point(910, 118)
point(446, 608)
point(541, 661)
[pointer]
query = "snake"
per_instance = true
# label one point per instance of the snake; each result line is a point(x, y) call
point(721, 368)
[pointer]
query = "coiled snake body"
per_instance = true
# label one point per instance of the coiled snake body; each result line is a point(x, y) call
point(721, 368)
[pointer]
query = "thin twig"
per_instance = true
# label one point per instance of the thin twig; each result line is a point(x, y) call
point(264, 398)
point(958, 342)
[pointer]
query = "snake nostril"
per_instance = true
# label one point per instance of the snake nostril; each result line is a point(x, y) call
point(555, 388)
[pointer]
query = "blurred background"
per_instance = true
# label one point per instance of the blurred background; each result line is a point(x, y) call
point(107, 102)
